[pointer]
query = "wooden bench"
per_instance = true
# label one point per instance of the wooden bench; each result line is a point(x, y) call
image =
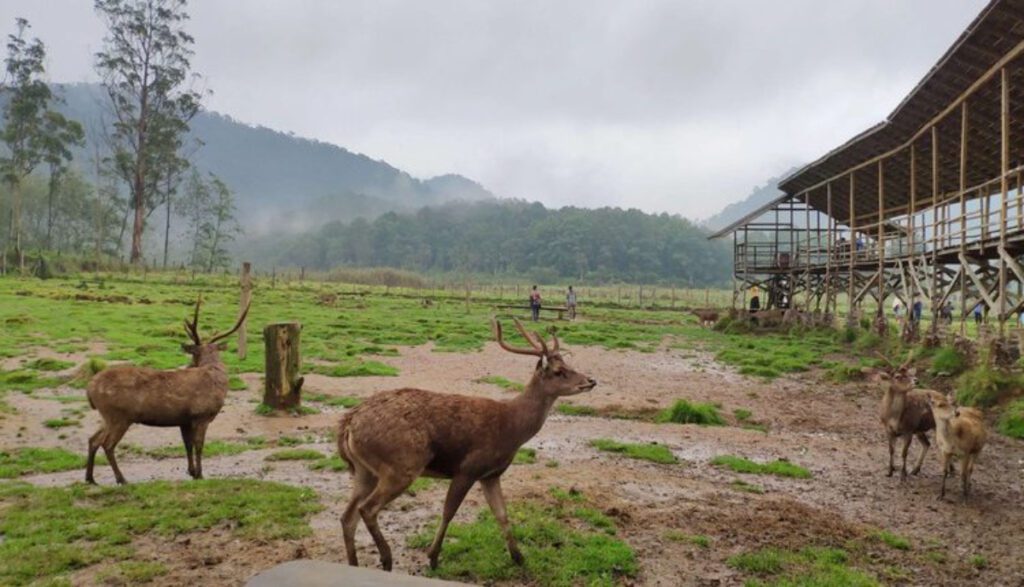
point(561, 310)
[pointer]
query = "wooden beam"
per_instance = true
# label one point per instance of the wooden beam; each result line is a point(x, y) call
point(1004, 188)
point(881, 236)
point(963, 216)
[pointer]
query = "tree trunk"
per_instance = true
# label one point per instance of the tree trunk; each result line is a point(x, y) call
point(283, 385)
point(19, 255)
point(139, 224)
point(54, 178)
point(167, 228)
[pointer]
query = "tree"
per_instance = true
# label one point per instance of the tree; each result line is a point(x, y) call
point(209, 208)
point(24, 118)
point(58, 135)
point(195, 205)
point(145, 66)
point(224, 225)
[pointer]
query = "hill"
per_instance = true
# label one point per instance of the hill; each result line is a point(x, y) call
point(278, 176)
point(760, 196)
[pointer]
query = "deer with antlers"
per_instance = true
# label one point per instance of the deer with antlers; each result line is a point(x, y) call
point(905, 412)
point(396, 436)
point(188, 398)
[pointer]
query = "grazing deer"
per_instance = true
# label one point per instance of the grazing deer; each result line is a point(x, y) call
point(960, 432)
point(905, 412)
point(188, 398)
point(396, 436)
point(706, 317)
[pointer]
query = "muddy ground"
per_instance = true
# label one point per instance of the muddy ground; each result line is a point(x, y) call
point(830, 429)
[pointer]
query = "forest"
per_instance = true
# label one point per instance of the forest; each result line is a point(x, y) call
point(514, 238)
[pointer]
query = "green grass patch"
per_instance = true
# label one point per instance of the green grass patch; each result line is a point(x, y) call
point(214, 448)
point(296, 454)
point(525, 456)
point(557, 552)
point(892, 540)
point(333, 400)
point(235, 383)
point(50, 532)
point(656, 453)
point(355, 369)
point(1011, 423)
point(46, 364)
point(502, 382)
point(334, 464)
point(575, 410)
point(60, 423)
point(978, 561)
point(947, 361)
point(24, 461)
point(742, 415)
point(132, 572)
point(684, 412)
point(780, 468)
point(695, 539)
point(809, 567)
point(422, 484)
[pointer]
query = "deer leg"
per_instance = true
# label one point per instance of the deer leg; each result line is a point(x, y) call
point(907, 439)
point(115, 432)
point(389, 486)
point(362, 484)
point(186, 437)
point(199, 439)
point(967, 469)
point(94, 444)
point(923, 439)
point(945, 474)
point(496, 500)
point(457, 491)
point(892, 452)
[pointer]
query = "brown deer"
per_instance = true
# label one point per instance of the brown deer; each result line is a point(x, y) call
point(188, 398)
point(904, 412)
point(707, 317)
point(396, 436)
point(959, 432)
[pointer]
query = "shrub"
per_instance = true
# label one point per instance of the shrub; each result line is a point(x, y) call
point(684, 412)
point(1012, 422)
point(984, 386)
point(948, 361)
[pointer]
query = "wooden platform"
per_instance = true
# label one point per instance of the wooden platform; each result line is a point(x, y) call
point(310, 573)
point(561, 310)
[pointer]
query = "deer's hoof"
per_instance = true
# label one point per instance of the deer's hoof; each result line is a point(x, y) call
point(916, 471)
point(386, 565)
point(889, 474)
point(433, 562)
point(517, 557)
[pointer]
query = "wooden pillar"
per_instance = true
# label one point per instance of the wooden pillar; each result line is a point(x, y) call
point(245, 282)
point(1004, 144)
point(963, 217)
point(829, 294)
point(881, 238)
point(852, 247)
point(911, 222)
point(283, 385)
point(935, 227)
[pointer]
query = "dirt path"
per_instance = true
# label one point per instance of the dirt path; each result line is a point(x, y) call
point(831, 430)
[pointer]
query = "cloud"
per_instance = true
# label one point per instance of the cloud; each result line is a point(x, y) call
point(662, 105)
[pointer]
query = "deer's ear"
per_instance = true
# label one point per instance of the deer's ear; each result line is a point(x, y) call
point(912, 371)
point(540, 363)
point(189, 348)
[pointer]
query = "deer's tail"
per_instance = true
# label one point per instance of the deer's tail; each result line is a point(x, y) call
point(343, 441)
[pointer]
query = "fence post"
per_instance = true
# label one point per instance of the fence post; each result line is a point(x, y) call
point(245, 299)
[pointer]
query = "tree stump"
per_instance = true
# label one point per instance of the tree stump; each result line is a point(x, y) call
point(282, 387)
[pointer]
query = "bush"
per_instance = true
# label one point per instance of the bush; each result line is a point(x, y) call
point(867, 341)
point(1012, 422)
point(984, 386)
point(948, 361)
point(683, 412)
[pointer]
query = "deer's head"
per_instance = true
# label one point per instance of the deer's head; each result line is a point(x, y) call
point(943, 407)
point(552, 376)
point(207, 353)
point(900, 378)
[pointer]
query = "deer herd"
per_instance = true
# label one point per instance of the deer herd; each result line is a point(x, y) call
point(396, 436)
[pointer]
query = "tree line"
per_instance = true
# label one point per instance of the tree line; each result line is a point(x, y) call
point(510, 237)
point(143, 165)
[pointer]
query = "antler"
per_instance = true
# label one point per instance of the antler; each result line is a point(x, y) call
point(554, 340)
point(238, 324)
point(535, 351)
point(192, 328)
point(886, 359)
point(910, 358)
point(534, 340)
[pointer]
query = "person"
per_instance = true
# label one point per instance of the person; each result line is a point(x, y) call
point(978, 313)
point(896, 308)
point(947, 312)
point(918, 308)
point(755, 300)
point(535, 303)
point(570, 303)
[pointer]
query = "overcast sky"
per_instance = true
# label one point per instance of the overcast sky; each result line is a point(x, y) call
point(677, 106)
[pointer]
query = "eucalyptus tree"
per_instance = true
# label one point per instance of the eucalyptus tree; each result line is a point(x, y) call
point(145, 68)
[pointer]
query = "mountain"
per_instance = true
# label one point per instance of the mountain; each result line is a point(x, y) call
point(284, 181)
point(760, 196)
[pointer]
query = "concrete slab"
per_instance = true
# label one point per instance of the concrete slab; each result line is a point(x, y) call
point(310, 573)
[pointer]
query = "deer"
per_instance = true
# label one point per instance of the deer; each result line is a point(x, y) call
point(905, 412)
point(959, 432)
point(189, 398)
point(707, 317)
point(396, 436)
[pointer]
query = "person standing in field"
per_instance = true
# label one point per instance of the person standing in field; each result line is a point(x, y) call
point(535, 303)
point(570, 303)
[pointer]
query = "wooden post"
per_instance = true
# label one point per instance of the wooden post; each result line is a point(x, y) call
point(246, 297)
point(853, 249)
point(829, 293)
point(881, 239)
point(963, 217)
point(1004, 186)
point(283, 385)
point(935, 232)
